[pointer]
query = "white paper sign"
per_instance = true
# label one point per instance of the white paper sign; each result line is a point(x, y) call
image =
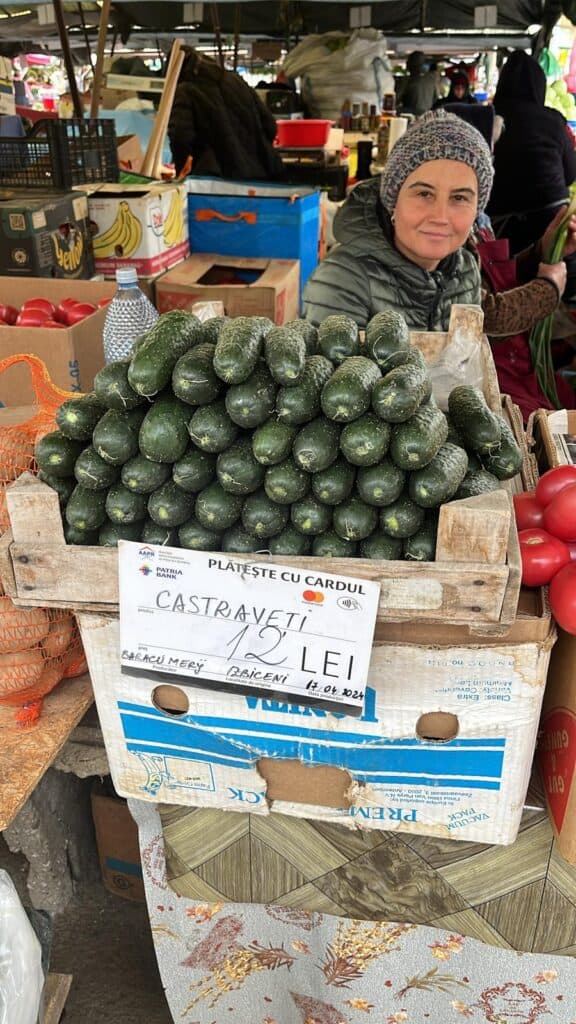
point(246, 622)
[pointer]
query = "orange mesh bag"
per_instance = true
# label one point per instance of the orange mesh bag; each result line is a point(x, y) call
point(38, 646)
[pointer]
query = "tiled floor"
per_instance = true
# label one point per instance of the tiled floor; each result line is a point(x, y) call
point(522, 896)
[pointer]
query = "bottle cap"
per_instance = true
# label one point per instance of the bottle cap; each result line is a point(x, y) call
point(127, 276)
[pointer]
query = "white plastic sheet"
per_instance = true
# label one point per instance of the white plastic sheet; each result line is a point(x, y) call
point(21, 977)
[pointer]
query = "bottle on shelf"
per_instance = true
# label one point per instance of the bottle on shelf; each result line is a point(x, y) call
point(129, 315)
point(346, 116)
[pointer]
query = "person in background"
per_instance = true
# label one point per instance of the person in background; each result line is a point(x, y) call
point(534, 158)
point(406, 241)
point(219, 123)
point(459, 91)
point(416, 93)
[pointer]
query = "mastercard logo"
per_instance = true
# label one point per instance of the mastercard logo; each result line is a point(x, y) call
point(313, 596)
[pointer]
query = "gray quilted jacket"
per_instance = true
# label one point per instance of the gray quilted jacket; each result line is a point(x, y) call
point(365, 274)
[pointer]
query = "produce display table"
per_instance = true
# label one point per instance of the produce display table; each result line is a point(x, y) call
point(26, 754)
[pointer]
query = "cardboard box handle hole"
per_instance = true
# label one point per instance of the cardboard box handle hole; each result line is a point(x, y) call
point(171, 700)
point(437, 727)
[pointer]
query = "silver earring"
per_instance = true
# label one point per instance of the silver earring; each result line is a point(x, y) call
point(392, 219)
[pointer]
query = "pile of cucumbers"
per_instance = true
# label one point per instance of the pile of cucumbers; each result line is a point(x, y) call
point(240, 436)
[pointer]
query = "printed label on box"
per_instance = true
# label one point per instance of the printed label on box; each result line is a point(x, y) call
point(557, 752)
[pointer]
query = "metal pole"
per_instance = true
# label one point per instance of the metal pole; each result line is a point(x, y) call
point(97, 83)
point(67, 54)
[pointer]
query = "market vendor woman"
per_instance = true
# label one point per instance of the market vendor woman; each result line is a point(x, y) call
point(405, 240)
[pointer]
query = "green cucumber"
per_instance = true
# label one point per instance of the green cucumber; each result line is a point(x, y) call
point(272, 441)
point(381, 547)
point(402, 518)
point(307, 331)
point(396, 396)
point(439, 480)
point(163, 435)
point(114, 438)
point(316, 445)
point(165, 536)
point(153, 361)
point(112, 388)
point(124, 506)
point(85, 538)
point(195, 537)
point(238, 348)
point(505, 461)
point(286, 482)
point(421, 546)
point(237, 470)
point(211, 428)
point(194, 471)
point(285, 353)
point(346, 395)
point(63, 485)
point(311, 516)
point(77, 417)
point(330, 545)
point(477, 481)
point(365, 441)
point(217, 509)
point(93, 472)
point(338, 337)
point(354, 520)
point(111, 533)
point(56, 455)
point(142, 476)
point(251, 403)
point(86, 510)
point(170, 506)
point(334, 484)
point(380, 485)
point(415, 442)
point(261, 517)
point(301, 403)
point(193, 377)
point(387, 339)
point(289, 542)
point(474, 421)
point(237, 540)
point(211, 329)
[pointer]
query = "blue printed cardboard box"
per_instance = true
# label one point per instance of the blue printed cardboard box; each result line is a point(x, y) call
point(444, 746)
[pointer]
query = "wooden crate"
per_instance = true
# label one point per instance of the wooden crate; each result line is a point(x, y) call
point(475, 582)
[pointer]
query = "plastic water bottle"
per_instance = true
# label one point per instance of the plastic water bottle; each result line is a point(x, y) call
point(129, 315)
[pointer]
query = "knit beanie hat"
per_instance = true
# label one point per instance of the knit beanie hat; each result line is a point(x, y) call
point(437, 135)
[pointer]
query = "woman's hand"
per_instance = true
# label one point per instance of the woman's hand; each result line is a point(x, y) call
point(548, 236)
point(555, 272)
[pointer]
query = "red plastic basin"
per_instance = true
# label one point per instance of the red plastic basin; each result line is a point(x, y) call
point(303, 133)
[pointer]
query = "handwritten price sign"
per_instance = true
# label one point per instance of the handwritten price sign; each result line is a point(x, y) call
point(254, 624)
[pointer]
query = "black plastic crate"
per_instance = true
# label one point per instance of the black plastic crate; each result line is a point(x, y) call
point(59, 154)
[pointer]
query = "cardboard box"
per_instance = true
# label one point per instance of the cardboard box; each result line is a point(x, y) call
point(141, 226)
point(72, 356)
point(444, 746)
point(247, 287)
point(46, 235)
point(130, 155)
point(551, 433)
point(118, 847)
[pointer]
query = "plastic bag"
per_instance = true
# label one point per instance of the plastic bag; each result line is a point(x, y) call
point(21, 977)
point(459, 363)
point(337, 66)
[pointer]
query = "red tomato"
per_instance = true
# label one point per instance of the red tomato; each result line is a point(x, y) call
point(560, 514)
point(79, 312)
point(103, 302)
point(32, 318)
point(563, 598)
point(43, 304)
point(542, 556)
point(54, 323)
point(9, 314)
point(529, 513)
point(63, 308)
point(554, 481)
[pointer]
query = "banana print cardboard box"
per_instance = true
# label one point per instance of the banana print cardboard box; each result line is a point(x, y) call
point(142, 226)
point(45, 235)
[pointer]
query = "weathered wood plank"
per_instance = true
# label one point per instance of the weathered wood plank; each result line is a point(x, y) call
point(55, 996)
point(475, 529)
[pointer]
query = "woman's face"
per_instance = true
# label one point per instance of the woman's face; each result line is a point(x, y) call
point(435, 211)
